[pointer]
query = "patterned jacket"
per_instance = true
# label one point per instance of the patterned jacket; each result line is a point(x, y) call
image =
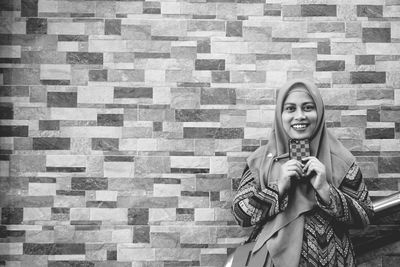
point(326, 239)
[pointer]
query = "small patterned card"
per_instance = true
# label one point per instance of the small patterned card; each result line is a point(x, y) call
point(299, 148)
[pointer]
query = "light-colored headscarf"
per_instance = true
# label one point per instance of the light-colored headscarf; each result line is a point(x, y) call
point(282, 235)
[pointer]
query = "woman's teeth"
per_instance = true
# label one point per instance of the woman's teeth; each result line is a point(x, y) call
point(299, 126)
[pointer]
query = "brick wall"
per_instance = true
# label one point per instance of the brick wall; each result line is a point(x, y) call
point(125, 124)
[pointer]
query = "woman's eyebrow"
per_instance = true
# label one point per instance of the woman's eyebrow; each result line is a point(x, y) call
point(304, 103)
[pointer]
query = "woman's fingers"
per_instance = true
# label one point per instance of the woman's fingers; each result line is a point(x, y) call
point(295, 170)
point(295, 162)
point(311, 160)
point(310, 168)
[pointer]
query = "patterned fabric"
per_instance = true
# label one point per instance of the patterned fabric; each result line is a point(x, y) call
point(326, 240)
point(299, 149)
point(252, 204)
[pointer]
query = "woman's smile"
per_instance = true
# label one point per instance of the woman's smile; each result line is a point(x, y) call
point(299, 126)
point(299, 114)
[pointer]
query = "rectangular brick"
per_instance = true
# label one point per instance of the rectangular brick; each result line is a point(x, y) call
point(11, 130)
point(365, 59)
point(109, 214)
point(49, 125)
point(112, 27)
point(370, 11)
point(55, 72)
point(141, 234)
point(138, 216)
point(375, 94)
point(6, 111)
point(151, 55)
point(95, 95)
point(29, 8)
point(220, 76)
point(84, 58)
point(376, 35)
point(98, 75)
point(203, 46)
point(105, 144)
point(110, 119)
point(147, 202)
point(11, 249)
point(315, 27)
point(89, 183)
point(197, 115)
point(42, 189)
point(64, 263)
point(206, 25)
point(11, 215)
point(65, 169)
point(315, 10)
point(133, 92)
point(73, 38)
point(10, 5)
point(217, 133)
point(367, 77)
point(61, 99)
point(151, 8)
point(53, 249)
point(14, 90)
point(382, 184)
point(389, 165)
point(26, 201)
point(51, 143)
point(330, 65)
point(21, 76)
point(218, 96)
point(234, 28)
point(55, 82)
point(126, 75)
point(379, 133)
point(119, 159)
point(209, 64)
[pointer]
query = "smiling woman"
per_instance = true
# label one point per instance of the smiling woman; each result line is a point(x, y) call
point(303, 190)
point(299, 116)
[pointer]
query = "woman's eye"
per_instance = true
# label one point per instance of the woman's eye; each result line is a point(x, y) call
point(309, 107)
point(289, 108)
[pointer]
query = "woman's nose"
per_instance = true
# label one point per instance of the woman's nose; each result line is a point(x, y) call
point(300, 114)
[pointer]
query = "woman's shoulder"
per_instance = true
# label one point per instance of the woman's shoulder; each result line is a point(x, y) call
point(339, 152)
point(258, 154)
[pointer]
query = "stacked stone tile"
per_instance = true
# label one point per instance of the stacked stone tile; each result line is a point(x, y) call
point(125, 124)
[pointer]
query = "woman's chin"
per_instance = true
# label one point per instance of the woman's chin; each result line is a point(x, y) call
point(300, 135)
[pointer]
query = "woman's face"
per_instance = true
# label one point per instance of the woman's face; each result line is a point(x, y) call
point(299, 114)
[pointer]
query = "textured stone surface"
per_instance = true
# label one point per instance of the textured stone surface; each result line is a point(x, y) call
point(217, 96)
point(61, 99)
point(36, 26)
point(318, 10)
point(209, 64)
point(125, 125)
point(370, 11)
point(376, 35)
point(330, 65)
point(367, 77)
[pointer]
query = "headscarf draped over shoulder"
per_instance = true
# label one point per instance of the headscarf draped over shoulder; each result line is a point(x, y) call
point(282, 235)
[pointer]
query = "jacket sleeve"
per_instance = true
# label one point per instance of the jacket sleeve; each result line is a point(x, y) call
point(350, 203)
point(252, 205)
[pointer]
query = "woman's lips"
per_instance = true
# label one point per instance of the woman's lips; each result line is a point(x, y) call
point(299, 126)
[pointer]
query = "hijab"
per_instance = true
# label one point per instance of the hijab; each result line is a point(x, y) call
point(282, 235)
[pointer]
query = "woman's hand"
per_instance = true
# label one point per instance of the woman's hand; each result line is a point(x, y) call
point(318, 181)
point(291, 169)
